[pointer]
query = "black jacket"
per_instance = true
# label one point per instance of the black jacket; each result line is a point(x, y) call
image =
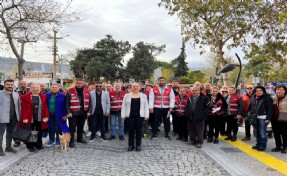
point(265, 107)
point(202, 107)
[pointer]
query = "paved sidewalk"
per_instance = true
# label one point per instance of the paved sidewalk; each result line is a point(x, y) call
point(158, 157)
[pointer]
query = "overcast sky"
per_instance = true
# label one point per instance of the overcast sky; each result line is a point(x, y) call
point(128, 20)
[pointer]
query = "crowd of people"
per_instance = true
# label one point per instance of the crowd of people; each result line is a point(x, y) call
point(198, 112)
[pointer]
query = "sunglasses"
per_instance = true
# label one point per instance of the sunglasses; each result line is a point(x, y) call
point(98, 85)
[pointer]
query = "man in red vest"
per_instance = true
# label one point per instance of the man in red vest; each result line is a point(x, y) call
point(161, 102)
point(246, 100)
point(235, 107)
point(116, 98)
point(179, 114)
point(77, 104)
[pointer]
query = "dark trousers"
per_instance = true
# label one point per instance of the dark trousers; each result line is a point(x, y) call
point(39, 144)
point(247, 128)
point(161, 113)
point(195, 130)
point(98, 122)
point(107, 124)
point(9, 127)
point(77, 121)
point(280, 133)
point(222, 128)
point(175, 123)
point(54, 128)
point(135, 129)
point(232, 125)
point(213, 124)
point(182, 126)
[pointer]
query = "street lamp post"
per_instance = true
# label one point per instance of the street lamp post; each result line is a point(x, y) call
point(230, 67)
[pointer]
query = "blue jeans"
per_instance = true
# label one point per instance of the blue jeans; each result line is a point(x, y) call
point(114, 118)
point(54, 128)
point(261, 136)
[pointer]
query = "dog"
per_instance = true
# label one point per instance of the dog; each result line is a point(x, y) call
point(64, 140)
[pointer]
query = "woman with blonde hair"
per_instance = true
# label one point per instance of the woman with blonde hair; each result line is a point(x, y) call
point(135, 109)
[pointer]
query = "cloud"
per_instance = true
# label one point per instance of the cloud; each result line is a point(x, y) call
point(128, 20)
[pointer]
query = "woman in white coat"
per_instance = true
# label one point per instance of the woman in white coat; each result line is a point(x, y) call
point(135, 108)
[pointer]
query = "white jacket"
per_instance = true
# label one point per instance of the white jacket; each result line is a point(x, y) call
point(126, 106)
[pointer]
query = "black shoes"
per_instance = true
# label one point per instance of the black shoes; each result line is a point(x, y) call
point(228, 138)
point(276, 149)
point(111, 138)
point(255, 147)
point(72, 145)
point(92, 138)
point(10, 149)
point(138, 148)
point(284, 150)
point(82, 141)
point(131, 148)
point(210, 140)
point(184, 140)
point(179, 138)
point(234, 138)
point(32, 150)
point(167, 137)
point(215, 141)
point(121, 138)
point(153, 137)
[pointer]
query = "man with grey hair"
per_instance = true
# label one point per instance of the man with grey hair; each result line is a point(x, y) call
point(196, 109)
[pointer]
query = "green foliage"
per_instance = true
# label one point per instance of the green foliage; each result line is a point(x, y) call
point(180, 66)
point(229, 24)
point(257, 66)
point(196, 75)
point(142, 64)
point(103, 60)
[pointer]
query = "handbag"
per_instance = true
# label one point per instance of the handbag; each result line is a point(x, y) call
point(34, 136)
point(21, 132)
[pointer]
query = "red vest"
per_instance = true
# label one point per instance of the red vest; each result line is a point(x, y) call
point(116, 100)
point(180, 104)
point(75, 102)
point(246, 100)
point(159, 98)
point(217, 104)
point(233, 103)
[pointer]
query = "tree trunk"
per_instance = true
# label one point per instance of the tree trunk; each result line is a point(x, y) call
point(223, 63)
point(20, 69)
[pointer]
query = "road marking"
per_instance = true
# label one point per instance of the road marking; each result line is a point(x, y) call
point(269, 160)
point(230, 165)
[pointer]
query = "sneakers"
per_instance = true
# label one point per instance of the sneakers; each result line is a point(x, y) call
point(246, 138)
point(111, 137)
point(167, 137)
point(88, 134)
point(16, 144)
point(104, 139)
point(2, 153)
point(121, 138)
point(57, 144)
point(50, 144)
point(153, 137)
point(10, 149)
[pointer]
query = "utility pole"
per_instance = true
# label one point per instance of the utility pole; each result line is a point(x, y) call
point(55, 55)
